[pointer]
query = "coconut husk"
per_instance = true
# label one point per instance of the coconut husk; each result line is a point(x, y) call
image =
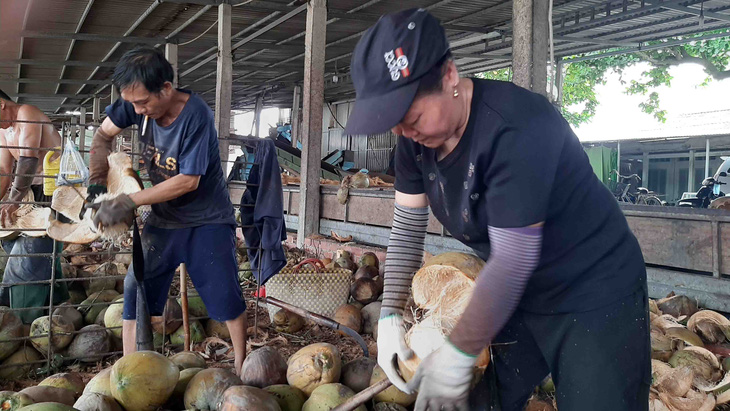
point(704, 364)
point(678, 305)
point(121, 179)
point(693, 402)
point(665, 322)
point(685, 336)
point(27, 216)
point(445, 282)
point(653, 308)
point(711, 326)
point(677, 381)
point(659, 369)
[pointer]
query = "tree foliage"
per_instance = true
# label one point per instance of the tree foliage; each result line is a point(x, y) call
point(581, 78)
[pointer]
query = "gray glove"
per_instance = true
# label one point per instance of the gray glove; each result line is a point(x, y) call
point(115, 211)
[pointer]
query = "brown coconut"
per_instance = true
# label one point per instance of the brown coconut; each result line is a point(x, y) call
point(329, 396)
point(366, 271)
point(356, 373)
point(314, 365)
point(370, 315)
point(10, 327)
point(50, 394)
point(188, 359)
point(62, 333)
point(71, 314)
point(287, 322)
point(96, 402)
point(365, 290)
point(677, 306)
point(171, 318)
point(263, 367)
point(205, 390)
point(241, 397)
point(711, 326)
point(67, 380)
point(349, 316)
point(391, 394)
point(91, 344)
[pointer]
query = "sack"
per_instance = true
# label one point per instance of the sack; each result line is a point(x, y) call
point(72, 169)
point(318, 289)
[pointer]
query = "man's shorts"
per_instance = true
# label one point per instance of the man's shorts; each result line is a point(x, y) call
point(209, 253)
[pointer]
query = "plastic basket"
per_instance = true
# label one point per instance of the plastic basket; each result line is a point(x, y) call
point(318, 290)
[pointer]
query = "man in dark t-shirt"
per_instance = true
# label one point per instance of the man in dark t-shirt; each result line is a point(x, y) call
point(192, 219)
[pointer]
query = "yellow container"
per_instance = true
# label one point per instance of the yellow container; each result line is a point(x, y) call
point(51, 166)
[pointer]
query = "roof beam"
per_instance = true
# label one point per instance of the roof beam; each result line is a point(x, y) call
point(52, 81)
point(52, 95)
point(73, 41)
point(92, 37)
point(684, 9)
point(52, 63)
point(22, 44)
point(597, 41)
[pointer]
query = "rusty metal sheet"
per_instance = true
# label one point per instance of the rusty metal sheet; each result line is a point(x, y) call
point(674, 242)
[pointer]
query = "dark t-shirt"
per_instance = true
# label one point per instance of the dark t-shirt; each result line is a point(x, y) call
point(517, 164)
point(187, 146)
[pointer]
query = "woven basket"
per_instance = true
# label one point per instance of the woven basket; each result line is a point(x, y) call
point(317, 290)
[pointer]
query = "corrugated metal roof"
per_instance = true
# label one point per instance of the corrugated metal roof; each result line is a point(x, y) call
point(273, 61)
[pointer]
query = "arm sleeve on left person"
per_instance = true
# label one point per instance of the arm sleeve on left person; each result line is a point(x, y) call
point(499, 287)
point(195, 148)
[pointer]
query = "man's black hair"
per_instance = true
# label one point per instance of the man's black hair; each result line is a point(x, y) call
point(430, 83)
point(5, 96)
point(143, 65)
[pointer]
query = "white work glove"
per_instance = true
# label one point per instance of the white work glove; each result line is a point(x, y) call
point(443, 380)
point(391, 346)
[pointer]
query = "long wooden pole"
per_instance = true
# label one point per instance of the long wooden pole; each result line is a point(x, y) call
point(184, 304)
point(363, 396)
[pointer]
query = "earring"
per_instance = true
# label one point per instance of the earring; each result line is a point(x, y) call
point(456, 92)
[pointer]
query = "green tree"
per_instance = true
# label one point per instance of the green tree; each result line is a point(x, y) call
point(581, 78)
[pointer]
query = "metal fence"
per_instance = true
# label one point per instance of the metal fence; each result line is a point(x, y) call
point(127, 142)
point(371, 152)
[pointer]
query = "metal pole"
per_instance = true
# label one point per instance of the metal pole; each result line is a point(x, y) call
point(707, 158)
point(82, 129)
point(257, 115)
point(618, 157)
point(645, 169)
point(295, 115)
point(691, 171)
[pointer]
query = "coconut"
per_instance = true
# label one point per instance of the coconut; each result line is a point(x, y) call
point(68, 380)
point(287, 322)
point(100, 383)
point(196, 307)
point(370, 315)
point(548, 385)
point(62, 333)
point(171, 316)
point(186, 375)
point(27, 216)
point(314, 365)
point(71, 314)
point(91, 344)
point(356, 373)
point(241, 397)
point(197, 334)
point(49, 394)
point(100, 318)
point(366, 271)
point(218, 329)
point(388, 406)
point(345, 263)
point(143, 380)
point(342, 254)
point(288, 397)
point(100, 278)
point(365, 290)
point(205, 390)
point(13, 401)
point(328, 396)
point(537, 404)
point(677, 306)
point(76, 296)
point(370, 259)
point(264, 367)
point(390, 394)
point(703, 363)
point(91, 306)
point(712, 327)
point(349, 316)
point(443, 280)
point(113, 318)
point(48, 406)
point(97, 402)
point(10, 327)
point(188, 359)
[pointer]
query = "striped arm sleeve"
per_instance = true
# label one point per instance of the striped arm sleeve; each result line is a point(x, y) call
point(498, 290)
point(404, 257)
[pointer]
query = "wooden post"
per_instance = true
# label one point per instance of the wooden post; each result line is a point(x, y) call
point(296, 100)
point(257, 115)
point(184, 304)
point(96, 111)
point(529, 44)
point(707, 158)
point(114, 96)
point(618, 157)
point(171, 56)
point(691, 172)
point(82, 130)
point(645, 169)
point(224, 82)
point(313, 101)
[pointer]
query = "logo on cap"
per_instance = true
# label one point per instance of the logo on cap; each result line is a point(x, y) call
point(397, 64)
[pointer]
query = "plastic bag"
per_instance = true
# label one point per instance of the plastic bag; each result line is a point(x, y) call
point(72, 169)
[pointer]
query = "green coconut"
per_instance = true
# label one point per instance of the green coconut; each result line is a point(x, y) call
point(10, 327)
point(188, 359)
point(327, 396)
point(158, 340)
point(286, 321)
point(48, 406)
point(197, 334)
point(62, 333)
point(143, 380)
point(244, 272)
point(90, 344)
point(391, 394)
point(218, 329)
point(91, 311)
point(13, 401)
point(67, 380)
point(196, 307)
point(97, 402)
point(49, 394)
point(369, 258)
point(113, 318)
point(205, 390)
point(182, 383)
point(289, 398)
point(100, 383)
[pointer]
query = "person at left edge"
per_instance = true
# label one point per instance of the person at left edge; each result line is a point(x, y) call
point(192, 219)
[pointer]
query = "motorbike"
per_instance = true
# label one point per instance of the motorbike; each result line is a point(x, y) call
point(628, 191)
point(710, 190)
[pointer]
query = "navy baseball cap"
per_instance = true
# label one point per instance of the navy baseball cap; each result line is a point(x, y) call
point(387, 66)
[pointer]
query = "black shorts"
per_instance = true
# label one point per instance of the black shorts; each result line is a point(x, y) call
point(599, 359)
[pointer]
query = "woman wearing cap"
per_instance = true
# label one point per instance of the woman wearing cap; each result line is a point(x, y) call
point(564, 287)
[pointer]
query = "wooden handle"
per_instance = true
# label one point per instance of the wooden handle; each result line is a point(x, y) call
point(184, 304)
point(318, 265)
point(363, 396)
